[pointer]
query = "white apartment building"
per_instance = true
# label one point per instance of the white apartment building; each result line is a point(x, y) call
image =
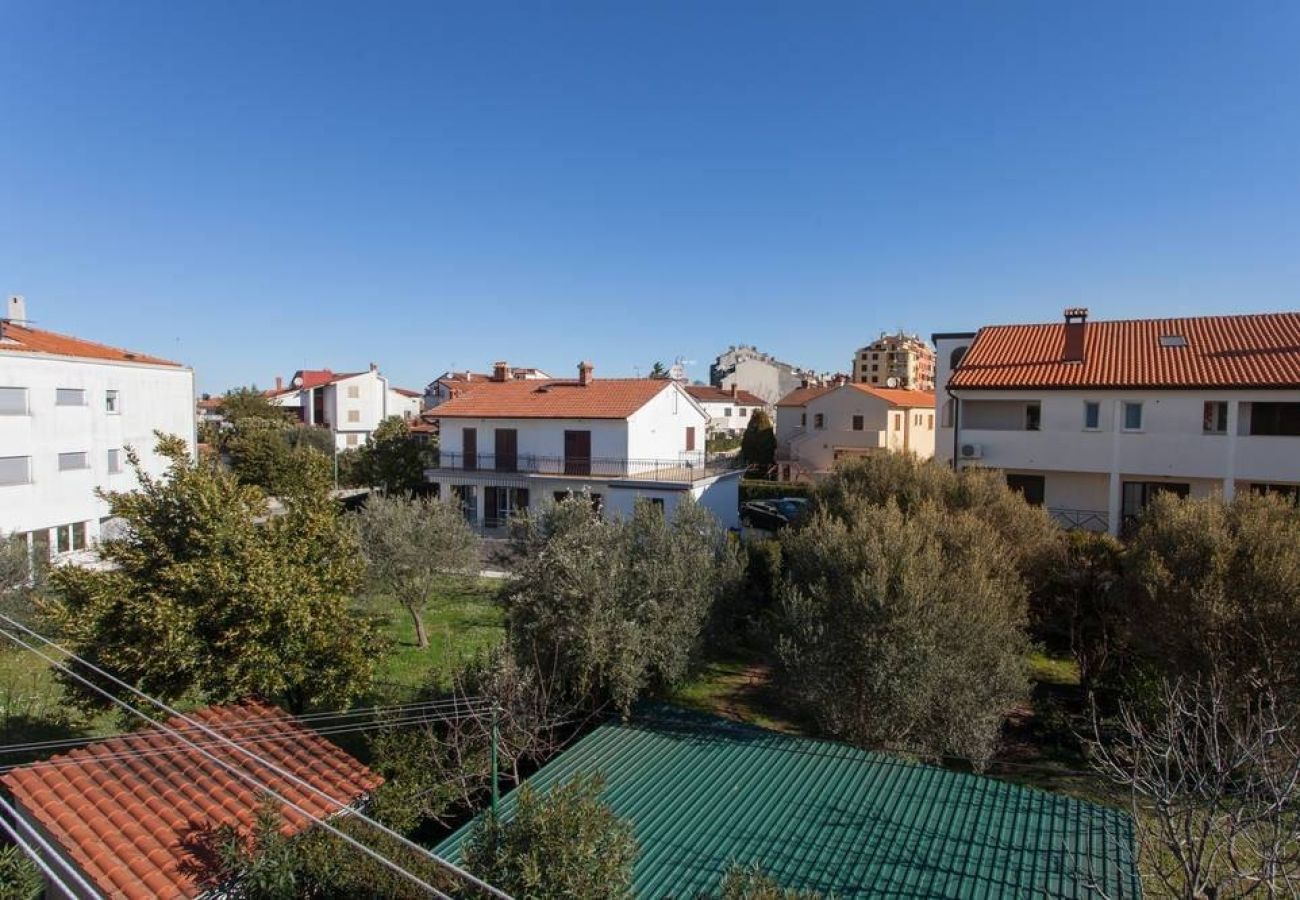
point(895, 361)
point(512, 444)
point(729, 409)
point(761, 374)
point(69, 409)
point(350, 404)
point(816, 427)
point(1092, 419)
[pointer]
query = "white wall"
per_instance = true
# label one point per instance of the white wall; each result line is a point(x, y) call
point(658, 429)
point(539, 437)
point(150, 398)
point(728, 416)
point(884, 427)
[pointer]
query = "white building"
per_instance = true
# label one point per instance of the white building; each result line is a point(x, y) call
point(729, 409)
point(511, 444)
point(758, 373)
point(816, 427)
point(69, 409)
point(350, 404)
point(1092, 419)
point(450, 383)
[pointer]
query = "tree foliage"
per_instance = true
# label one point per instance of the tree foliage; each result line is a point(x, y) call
point(565, 843)
point(616, 608)
point(903, 627)
point(758, 443)
point(206, 595)
point(411, 545)
point(392, 460)
point(658, 371)
point(20, 879)
point(752, 883)
point(267, 456)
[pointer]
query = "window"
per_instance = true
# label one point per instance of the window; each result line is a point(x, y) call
point(803, 420)
point(1132, 416)
point(929, 422)
point(77, 459)
point(354, 391)
point(743, 412)
point(354, 415)
point(1214, 420)
point(1032, 487)
point(726, 411)
point(15, 470)
point(858, 423)
point(114, 462)
point(1033, 416)
point(353, 440)
point(657, 503)
point(111, 402)
point(1275, 418)
point(1173, 340)
point(1091, 415)
point(69, 397)
point(71, 537)
point(1290, 491)
point(690, 438)
point(945, 414)
point(819, 420)
point(955, 359)
point(13, 401)
point(898, 421)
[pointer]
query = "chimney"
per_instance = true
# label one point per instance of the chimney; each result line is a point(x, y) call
point(735, 389)
point(17, 309)
point(374, 367)
point(501, 371)
point(584, 373)
point(279, 384)
point(1076, 323)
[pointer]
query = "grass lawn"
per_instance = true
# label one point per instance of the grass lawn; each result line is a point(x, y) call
point(461, 621)
point(740, 687)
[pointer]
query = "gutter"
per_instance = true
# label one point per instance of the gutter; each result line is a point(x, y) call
point(956, 424)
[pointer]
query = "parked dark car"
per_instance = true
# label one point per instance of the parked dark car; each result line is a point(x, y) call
point(772, 515)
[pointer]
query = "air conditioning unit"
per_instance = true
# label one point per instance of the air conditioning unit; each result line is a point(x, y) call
point(971, 451)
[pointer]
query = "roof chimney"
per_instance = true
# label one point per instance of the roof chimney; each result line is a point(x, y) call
point(374, 367)
point(279, 384)
point(584, 373)
point(735, 389)
point(501, 371)
point(16, 310)
point(1076, 322)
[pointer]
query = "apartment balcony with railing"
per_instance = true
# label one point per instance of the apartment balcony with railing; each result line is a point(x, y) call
point(690, 466)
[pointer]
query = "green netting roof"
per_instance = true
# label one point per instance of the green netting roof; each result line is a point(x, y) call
point(703, 792)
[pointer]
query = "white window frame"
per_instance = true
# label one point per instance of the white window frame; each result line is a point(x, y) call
point(1125, 406)
point(1218, 404)
point(113, 402)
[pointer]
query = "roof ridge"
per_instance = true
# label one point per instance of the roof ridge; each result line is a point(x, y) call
point(131, 355)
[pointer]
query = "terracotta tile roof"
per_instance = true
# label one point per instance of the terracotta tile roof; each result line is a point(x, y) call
point(35, 340)
point(601, 398)
point(1248, 351)
point(800, 396)
point(132, 823)
point(707, 393)
point(407, 392)
point(897, 396)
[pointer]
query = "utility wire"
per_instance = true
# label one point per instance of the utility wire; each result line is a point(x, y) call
point(238, 773)
point(13, 822)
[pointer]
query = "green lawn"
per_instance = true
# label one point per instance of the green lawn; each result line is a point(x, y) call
point(461, 621)
point(740, 687)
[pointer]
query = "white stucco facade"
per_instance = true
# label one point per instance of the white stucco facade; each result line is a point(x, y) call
point(351, 406)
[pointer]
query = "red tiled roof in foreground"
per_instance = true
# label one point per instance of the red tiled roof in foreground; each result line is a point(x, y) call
point(707, 393)
point(35, 340)
point(132, 823)
point(1249, 351)
point(600, 398)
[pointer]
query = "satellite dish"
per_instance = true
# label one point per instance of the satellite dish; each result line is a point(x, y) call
point(892, 381)
point(297, 382)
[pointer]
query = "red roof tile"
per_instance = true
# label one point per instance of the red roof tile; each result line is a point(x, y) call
point(35, 340)
point(897, 396)
point(1248, 351)
point(601, 398)
point(707, 393)
point(130, 810)
point(407, 392)
point(800, 396)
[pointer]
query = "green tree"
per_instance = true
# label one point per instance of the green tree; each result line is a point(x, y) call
point(752, 883)
point(564, 843)
point(903, 628)
point(658, 371)
point(616, 608)
point(19, 877)
point(205, 595)
point(411, 546)
point(393, 460)
point(758, 443)
point(22, 576)
point(1215, 589)
point(243, 404)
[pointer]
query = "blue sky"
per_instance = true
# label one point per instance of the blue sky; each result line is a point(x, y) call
point(259, 187)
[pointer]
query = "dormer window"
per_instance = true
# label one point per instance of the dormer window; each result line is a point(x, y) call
point(1173, 340)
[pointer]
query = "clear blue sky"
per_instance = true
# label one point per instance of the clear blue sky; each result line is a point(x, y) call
point(258, 187)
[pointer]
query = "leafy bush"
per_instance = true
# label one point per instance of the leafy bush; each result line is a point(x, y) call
point(752, 883)
point(752, 489)
point(758, 444)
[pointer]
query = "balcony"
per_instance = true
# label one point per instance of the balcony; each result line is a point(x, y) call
point(692, 466)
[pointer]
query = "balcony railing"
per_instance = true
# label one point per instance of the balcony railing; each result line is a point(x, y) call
point(1085, 519)
point(691, 466)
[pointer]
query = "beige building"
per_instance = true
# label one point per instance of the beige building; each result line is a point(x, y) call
point(817, 427)
point(895, 361)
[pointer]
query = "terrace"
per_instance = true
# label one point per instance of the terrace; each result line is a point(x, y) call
point(691, 466)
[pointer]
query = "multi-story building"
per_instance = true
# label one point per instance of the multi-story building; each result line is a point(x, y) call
point(729, 409)
point(816, 427)
point(450, 384)
point(758, 373)
point(895, 361)
point(1093, 419)
point(69, 411)
point(350, 404)
point(512, 444)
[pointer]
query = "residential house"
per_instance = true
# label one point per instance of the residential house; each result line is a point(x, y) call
point(758, 373)
point(816, 427)
point(895, 361)
point(729, 409)
point(135, 815)
point(1093, 419)
point(350, 404)
point(511, 444)
point(69, 411)
point(450, 383)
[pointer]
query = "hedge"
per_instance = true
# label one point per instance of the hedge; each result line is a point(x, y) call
point(753, 489)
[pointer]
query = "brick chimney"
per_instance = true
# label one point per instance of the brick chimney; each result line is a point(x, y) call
point(584, 373)
point(501, 371)
point(279, 384)
point(1076, 323)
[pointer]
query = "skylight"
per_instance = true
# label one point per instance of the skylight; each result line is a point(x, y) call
point(1173, 340)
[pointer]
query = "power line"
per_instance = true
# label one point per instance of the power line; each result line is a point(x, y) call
point(343, 807)
point(13, 822)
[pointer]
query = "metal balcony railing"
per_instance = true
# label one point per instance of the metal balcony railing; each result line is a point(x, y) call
point(1086, 519)
point(690, 466)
